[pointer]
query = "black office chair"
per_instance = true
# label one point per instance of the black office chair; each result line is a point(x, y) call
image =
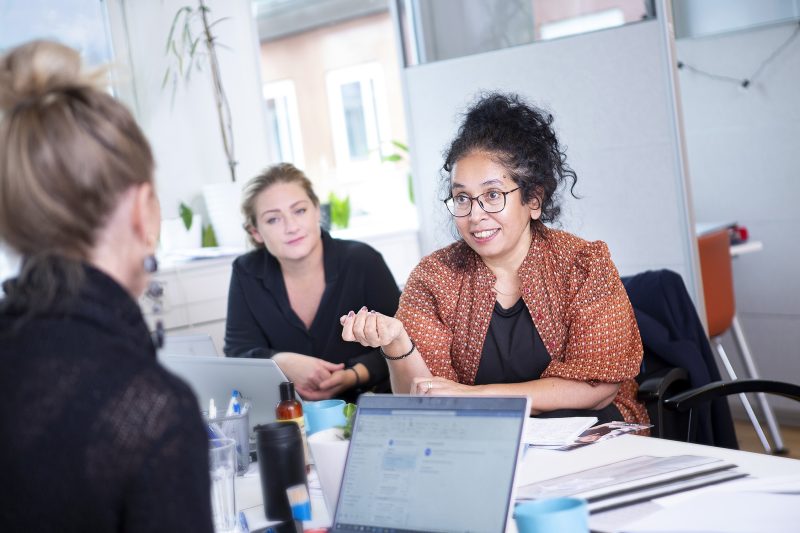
point(679, 382)
point(685, 403)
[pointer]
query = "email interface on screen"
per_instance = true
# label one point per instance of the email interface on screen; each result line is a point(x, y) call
point(429, 470)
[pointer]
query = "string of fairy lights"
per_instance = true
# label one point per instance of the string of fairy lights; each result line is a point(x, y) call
point(744, 82)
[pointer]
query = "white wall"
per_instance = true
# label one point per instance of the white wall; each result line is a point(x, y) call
point(744, 155)
point(185, 135)
point(610, 94)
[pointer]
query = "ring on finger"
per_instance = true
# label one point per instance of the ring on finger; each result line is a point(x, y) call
point(430, 386)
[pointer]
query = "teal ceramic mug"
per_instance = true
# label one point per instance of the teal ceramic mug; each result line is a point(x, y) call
point(564, 515)
point(323, 415)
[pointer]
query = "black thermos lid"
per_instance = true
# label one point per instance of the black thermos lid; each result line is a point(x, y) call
point(287, 391)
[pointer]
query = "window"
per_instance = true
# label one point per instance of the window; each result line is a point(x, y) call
point(342, 58)
point(81, 24)
point(582, 24)
point(283, 122)
point(484, 25)
point(359, 116)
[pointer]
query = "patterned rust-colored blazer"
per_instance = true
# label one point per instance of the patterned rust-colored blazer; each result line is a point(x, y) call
point(574, 295)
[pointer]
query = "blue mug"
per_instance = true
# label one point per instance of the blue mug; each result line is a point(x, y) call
point(323, 415)
point(565, 515)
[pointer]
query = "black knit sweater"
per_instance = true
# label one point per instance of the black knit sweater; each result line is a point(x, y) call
point(94, 434)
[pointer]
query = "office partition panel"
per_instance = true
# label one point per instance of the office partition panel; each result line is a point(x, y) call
point(613, 96)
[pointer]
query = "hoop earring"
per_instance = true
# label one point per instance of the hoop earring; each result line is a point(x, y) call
point(150, 264)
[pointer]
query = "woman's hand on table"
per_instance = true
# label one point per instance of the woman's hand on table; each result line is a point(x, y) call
point(343, 380)
point(309, 374)
point(435, 386)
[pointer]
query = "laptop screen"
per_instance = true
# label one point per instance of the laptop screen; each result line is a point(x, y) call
point(258, 380)
point(431, 464)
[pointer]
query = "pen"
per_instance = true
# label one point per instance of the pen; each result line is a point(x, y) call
point(234, 407)
point(243, 527)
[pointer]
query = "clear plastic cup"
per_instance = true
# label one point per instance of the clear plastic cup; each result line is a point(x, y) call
point(222, 469)
point(237, 427)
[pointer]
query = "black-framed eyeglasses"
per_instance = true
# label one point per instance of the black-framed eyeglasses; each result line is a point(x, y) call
point(460, 205)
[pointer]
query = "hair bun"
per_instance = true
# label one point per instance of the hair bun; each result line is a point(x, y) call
point(36, 69)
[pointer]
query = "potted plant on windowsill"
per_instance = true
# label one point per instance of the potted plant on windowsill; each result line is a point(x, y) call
point(181, 233)
point(401, 155)
point(339, 211)
point(192, 45)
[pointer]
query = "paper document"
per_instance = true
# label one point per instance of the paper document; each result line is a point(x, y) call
point(665, 490)
point(623, 476)
point(556, 431)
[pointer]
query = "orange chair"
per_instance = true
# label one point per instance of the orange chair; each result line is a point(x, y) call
point(717, 274)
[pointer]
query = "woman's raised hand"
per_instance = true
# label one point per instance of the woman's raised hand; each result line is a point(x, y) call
point(370, 328)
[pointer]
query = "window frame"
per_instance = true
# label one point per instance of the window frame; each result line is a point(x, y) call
point(371, 81)
point(288, 121)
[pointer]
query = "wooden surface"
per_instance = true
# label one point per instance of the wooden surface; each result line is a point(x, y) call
point(748, 440)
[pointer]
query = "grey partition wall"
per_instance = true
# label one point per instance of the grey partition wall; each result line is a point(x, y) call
point(613, 96)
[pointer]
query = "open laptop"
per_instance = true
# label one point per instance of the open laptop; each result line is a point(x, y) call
point(426, 463)
point(189, 345)
point(257, 380)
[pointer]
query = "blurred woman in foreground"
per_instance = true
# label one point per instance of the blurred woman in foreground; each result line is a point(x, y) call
point(97, 436)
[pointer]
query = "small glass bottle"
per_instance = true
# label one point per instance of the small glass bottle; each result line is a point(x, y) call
point(291, 410)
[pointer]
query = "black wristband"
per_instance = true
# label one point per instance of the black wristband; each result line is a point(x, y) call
point(392, 358)
point(358, 378)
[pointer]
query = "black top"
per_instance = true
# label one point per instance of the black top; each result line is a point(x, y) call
point(96, 435)
point(262, 323)
point(513, 352)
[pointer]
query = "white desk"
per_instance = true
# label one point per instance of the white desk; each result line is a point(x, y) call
point(249, 499)
point(545, 464)
point(539, 465)
point(746, 248)
point(701, 228)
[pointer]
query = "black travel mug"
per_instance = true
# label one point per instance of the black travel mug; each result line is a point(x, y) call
point(281, 462)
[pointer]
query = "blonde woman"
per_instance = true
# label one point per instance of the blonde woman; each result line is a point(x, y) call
point(97, 436)
point(286, 296)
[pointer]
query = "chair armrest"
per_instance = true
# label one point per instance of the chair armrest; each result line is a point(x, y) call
point(655, 386)
point(685, 401)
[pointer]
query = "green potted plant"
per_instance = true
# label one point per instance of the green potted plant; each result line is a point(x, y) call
point(340, 211)
point(183, 232)
point(401, 154)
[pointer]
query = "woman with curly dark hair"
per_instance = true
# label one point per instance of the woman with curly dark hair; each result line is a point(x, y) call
point(513, 307)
